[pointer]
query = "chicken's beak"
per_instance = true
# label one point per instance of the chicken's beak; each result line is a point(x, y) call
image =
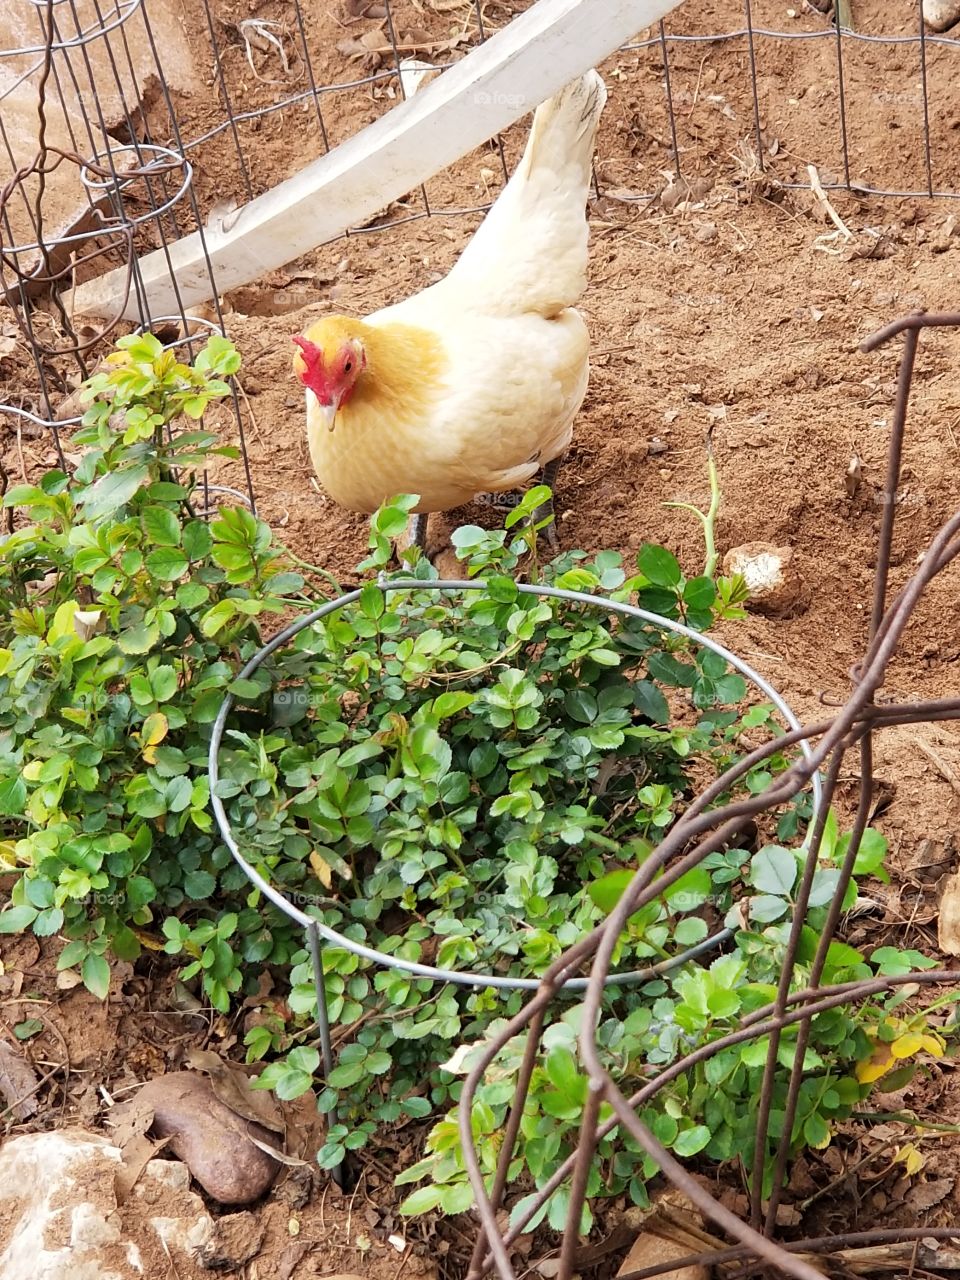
point(327, 414)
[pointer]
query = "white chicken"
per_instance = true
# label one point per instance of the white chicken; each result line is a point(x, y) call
point(472, 385)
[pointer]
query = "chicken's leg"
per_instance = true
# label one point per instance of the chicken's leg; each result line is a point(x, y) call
point(549, 478)
point(415, 535)
point(418, 532)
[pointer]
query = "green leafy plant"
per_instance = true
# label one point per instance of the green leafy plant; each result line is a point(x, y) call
point(469, 782)
point(711, 1110)
point(473, 781)
point(122, 618)
point(462, 781)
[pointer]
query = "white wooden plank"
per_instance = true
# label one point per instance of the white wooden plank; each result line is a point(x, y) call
point(494, 85)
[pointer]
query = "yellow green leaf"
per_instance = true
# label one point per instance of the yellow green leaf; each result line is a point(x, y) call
point(907, 1045)
point(910, 1157)
point(155, 729)
point(148, 940)
point(62, 624)
point(877, 1065)
point(933, 1044)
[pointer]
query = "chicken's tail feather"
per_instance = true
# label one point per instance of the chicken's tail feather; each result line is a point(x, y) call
point(530, 253)
point(564, 129)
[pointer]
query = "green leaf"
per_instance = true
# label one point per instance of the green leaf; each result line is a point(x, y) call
point(816, 1132)
point(197, 539)
point(691, 931)
point(651, 702)
point(372, 603)
point(690, 1141)
point(199, 884)
point(392, 518)
point(112, 491)
point(13, 796)
point(48, 922)
point(767, 907)
point(456, 1197)
point(659, 566)
point(774, 870)
point(422, 1200)
point(167, 563)
point(164, 683)
point(161, 526)
point(690, 891)
point(139, 639)
point(894, 962)
point(96, 975)
point(699, 593)
point(609, 889)
point(17, 919)
point(190, 595)
point(665, 668)
point(293, 1084)
point(581, 705)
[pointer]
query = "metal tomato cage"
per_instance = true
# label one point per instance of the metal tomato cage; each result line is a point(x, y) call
point(316, 933)
point(698, 832)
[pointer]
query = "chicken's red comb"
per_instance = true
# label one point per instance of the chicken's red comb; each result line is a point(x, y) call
point(312, 355)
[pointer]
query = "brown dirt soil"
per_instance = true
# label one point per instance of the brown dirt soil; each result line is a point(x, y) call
point(737, 308)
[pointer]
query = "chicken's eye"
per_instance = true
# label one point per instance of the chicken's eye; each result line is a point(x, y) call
point(348, 366)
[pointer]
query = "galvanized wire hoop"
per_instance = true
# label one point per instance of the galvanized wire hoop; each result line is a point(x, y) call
point(315, 930)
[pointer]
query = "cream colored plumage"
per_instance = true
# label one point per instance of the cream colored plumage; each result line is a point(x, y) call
point(471, 386)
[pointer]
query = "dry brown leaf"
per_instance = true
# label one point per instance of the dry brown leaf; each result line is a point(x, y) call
point(291, 1258)
point(350, 48)
point(624, 195)
point(129, 1121)
point(651, 1250)
point(948, 923)
point(11, 984)
point(372, 41)
point(278, 1155)
point(853, 476)
point(354, 9)
point(17, 1080)
point(321, 869)
point(136, 1155)
point(925, 1195)
point(232, 1087)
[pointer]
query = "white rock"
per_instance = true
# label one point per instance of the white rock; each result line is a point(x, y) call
point(172, 1173)
point(59, 1218)
point(166, 1183)
point(414, 74)
point(57, 1193)
point(941, 14)
point(769, 573)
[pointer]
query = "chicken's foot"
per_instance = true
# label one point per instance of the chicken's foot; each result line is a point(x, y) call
point(546, 509)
